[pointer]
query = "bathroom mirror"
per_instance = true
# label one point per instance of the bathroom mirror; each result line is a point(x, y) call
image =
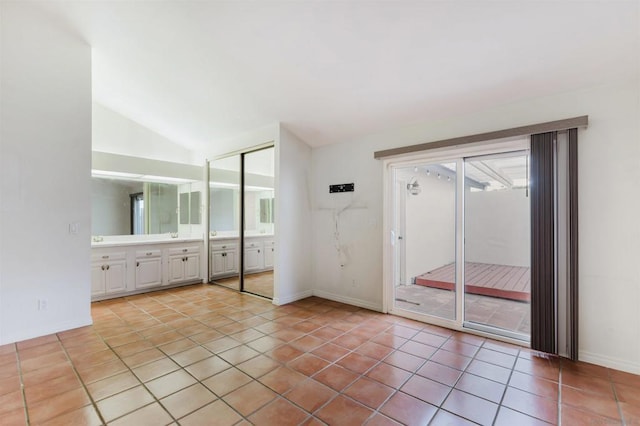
point(131, 207)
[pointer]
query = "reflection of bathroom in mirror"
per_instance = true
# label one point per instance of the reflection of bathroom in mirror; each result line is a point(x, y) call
point(195, 215)
point(124, 207)
point(266, 210)
point(138, 196)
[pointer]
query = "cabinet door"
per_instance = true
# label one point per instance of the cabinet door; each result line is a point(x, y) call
point(218, 262)
point(192, 267)
point(176, 269)
point(116, 277)
point(231, 262)
point(268, 257)
point(148, 272)
point(252, 259)
point(97, 280)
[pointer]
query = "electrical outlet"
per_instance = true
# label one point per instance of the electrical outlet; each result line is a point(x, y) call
point(42, 304)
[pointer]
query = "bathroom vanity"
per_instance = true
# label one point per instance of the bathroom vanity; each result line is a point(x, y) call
point(123, 266)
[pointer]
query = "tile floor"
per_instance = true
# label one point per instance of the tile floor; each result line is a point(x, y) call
point(260, 283)
point(501, 313)
point(205, 355)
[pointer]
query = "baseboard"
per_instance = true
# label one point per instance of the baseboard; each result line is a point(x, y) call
point(44, 330)
point(605, 361)
point(348, 300)
point(292, 298)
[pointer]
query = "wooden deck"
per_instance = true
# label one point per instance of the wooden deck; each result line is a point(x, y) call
point(507, 282)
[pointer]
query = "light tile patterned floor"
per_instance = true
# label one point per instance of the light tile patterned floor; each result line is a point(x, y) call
point(204, 355)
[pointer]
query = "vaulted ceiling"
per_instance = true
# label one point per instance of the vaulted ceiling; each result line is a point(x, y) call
point(201, 72)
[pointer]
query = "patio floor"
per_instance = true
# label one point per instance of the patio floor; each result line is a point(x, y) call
point(497, 312)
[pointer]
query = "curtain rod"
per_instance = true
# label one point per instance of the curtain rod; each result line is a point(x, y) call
point(549, 126)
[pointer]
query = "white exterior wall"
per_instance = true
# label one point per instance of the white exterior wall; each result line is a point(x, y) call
point(497, 227)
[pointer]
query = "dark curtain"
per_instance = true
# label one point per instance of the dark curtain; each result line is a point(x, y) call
point(543, 257)
point(572, 139)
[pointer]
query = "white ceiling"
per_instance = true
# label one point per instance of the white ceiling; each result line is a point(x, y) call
point(201, 72)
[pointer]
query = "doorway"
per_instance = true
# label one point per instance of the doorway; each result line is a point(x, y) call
point(460, 236)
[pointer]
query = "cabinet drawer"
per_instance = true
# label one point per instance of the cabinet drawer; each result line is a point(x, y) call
point(184, 250)
point(222, 247)
point(105, 257)
point(252, 244)
point(145, 254)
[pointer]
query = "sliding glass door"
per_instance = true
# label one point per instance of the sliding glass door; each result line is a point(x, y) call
point(425, 239)
point(461, 241)
point(497, 247)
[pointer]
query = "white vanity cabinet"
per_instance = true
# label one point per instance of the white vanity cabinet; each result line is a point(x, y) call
point(131, 267)
point(253, 256)
point(184, 264)
point(224, 259)
point(224, 255)
point(108, 273)
point(269, 253)
point(148, 268)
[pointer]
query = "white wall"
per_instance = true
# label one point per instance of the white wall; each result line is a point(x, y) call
point(293, 235)
point(117, 134)
point(497, 227)
point(348, 266)
point(45, 161)
point(609, 176)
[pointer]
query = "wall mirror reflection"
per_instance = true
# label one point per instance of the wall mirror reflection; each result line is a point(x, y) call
point(126, 206)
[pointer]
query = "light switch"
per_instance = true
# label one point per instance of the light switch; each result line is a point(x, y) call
point(74, 228)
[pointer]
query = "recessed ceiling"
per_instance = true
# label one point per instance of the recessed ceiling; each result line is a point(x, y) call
point(200, 73)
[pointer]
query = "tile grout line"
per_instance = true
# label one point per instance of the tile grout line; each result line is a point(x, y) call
point(615, 396)
point(22, 390)
point(213, 355)
point(84, 386)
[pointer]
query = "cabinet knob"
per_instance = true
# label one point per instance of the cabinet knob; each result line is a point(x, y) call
point(184, 250)
point(258, 250)
point(105, 257)
point(102, 267)
point(149, 253)
point(107, 267)
point(224, 247)
point(137, 263)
